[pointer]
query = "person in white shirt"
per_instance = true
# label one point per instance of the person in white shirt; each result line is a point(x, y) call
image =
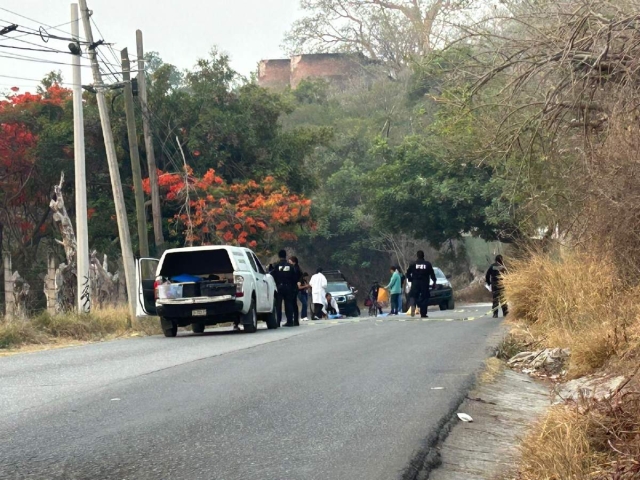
point(330, 306)
point(318, 285)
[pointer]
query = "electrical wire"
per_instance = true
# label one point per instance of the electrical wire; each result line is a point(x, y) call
point(32, 79)
point(40, 23)
point(117, 60)
point(158, 127)
point(41, 46)
point(25, 58)
point(35, 49)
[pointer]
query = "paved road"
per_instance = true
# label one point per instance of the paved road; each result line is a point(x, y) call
point(347, 400)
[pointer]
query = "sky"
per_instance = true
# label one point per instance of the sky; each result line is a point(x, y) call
point(180, 30)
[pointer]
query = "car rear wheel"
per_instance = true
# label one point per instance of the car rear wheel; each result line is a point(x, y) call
point(272, 319)
point(250, 320)
point(169, 328)
point(444, 306)
point(197, 327)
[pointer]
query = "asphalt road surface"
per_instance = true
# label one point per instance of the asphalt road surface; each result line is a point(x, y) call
point(342, 400)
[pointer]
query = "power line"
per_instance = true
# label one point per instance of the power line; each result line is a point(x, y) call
point(38, 45)
point(39, 23)
point(31, 79)
point(102, 36)
point(35, 49)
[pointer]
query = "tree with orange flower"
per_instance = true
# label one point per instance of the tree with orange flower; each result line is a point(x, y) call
point(211, 211)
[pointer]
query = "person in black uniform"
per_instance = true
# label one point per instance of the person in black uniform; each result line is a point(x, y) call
point(296, 311)
point(286, 278)
point(418, 274)
point(494, 279)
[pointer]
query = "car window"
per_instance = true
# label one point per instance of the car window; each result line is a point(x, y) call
point(337, 287)
point(252, 262)
point(439, 274)
point(260, 267)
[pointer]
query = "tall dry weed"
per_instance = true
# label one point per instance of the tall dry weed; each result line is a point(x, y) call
point(575, 299)
point(102, 323)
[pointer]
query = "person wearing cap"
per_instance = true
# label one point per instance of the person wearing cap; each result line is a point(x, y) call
point(286, 279)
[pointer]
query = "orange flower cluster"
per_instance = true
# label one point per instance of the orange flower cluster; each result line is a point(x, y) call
point(244, 213)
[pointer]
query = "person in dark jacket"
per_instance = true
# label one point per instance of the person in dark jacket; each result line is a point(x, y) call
point(286, 279)
point(296, 312)
point(419, 273)
point(494, 280)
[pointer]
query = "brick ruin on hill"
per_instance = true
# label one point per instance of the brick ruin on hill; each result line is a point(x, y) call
point(337, 68)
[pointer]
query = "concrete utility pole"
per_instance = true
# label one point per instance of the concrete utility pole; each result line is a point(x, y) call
point(82, 253)
point(148, 141)
point(135, 154)
point(112, 159)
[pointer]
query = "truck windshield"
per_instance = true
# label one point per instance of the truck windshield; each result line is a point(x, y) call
point(200, 262)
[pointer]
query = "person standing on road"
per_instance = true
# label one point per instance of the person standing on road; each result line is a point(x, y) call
point(286, 281)
point(418, 274)
point(395, 289)
point(318, 284)
point(403, 284)
point(303, 295)
point(296, 312)
point(494, 280)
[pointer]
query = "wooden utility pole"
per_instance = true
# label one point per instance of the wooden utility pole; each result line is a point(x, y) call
point(112, 160)
point(148, 141)
point(135, 155)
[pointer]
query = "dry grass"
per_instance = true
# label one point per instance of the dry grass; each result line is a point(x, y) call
point(99, 325)
point(493, 367)
point(600, 443)
point(576, 299)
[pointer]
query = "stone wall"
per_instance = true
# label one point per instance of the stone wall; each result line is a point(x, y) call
point(275, 74)
point(337, 68)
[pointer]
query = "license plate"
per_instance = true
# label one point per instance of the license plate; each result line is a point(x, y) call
point(199, 313)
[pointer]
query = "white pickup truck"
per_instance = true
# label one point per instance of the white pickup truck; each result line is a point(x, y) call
point(207, 285)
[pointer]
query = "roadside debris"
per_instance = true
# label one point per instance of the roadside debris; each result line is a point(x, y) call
point(593, 387)
point(465, 418)
point(549, 362)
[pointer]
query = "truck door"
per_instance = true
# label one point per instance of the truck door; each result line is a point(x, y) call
point(261, 285)
point(145, 281)
point(267, 287)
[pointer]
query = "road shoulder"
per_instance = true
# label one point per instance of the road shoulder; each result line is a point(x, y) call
point(487, 447)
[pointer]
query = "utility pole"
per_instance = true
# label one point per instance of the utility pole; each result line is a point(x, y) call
point(112, 160)
point(148, 141)
point(135, 154)
point(82, 253)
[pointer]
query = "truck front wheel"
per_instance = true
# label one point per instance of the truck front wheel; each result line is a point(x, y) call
point(169, 328)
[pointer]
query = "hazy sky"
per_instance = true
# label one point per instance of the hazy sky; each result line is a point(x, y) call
point(180, 30)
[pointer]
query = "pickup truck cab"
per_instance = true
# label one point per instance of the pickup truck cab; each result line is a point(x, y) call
point(202, 286)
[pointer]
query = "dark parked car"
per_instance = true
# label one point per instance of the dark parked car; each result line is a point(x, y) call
point(442, 295)
point(339, 288)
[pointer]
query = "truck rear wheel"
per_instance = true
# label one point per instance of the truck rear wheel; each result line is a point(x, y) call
point(272, 319)
point(250, 320)
point(169, 328)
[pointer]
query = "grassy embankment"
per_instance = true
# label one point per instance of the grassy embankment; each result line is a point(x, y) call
point(577, 300)
point(66, 328)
